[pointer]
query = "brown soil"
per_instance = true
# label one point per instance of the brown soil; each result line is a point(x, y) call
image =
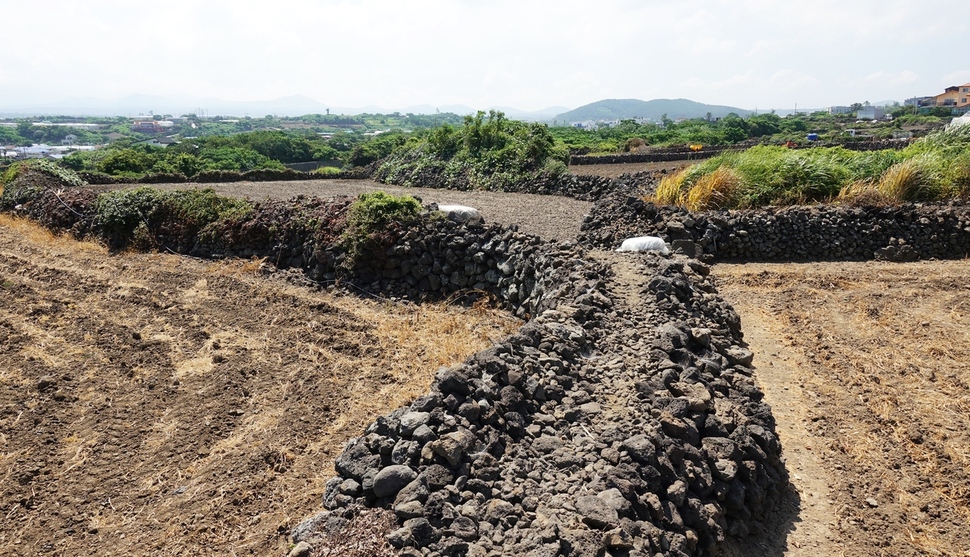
point(549, 216)
point(160, 405)
point(865, 367)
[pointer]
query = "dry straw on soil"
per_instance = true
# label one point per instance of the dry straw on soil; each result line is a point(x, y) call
point(205, 400)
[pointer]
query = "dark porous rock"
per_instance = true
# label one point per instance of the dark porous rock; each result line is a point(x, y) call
point(422, 531)
point(437, 476)
point(597, 512)
point(412, 421)
point(622, 419)
point(357, 461)
point(391, 479)
point(464, 528)
point(417, 490)
point(546, 444)
point(452, 380)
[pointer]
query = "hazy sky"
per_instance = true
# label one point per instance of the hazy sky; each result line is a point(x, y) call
point(520, 53)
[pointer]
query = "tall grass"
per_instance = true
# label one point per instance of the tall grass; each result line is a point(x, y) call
point(936, 167)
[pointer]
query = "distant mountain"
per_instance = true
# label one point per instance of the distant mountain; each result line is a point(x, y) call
point(532, 116)
point(295, 105)
point(138, 104)
point(619, 109)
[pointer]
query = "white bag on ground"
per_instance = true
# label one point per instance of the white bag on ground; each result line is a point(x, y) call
point(644, 243)
point(462, 213)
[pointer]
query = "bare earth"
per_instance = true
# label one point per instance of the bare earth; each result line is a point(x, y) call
point(865, 367)
point(552, 217)
point(152, 404)
point(161, 405)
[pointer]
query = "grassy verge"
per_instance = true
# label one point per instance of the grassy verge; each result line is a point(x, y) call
point(934, 168)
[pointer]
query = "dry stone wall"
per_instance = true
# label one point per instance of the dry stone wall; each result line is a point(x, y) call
point(603, 427)
point(804, 233)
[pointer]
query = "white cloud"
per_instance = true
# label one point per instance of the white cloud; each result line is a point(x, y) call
point(956, 78)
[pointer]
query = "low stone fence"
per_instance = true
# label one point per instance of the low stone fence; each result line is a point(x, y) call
point(682, 154)
point(802, 233)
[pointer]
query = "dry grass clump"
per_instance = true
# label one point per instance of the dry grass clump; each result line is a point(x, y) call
point(863, 193)
point(696, 190)
point(713, 191)
point(39, 235)
point(905, 181)
point(670, 189)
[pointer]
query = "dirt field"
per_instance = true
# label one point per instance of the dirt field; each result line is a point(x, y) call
point(865, 367)
point(160, 405)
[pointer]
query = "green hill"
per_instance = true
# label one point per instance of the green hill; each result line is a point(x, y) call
point(619, 109)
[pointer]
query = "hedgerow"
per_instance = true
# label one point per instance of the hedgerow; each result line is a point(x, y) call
point(374, 222)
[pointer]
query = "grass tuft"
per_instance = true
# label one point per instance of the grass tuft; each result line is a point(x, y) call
point(713, 191)
point(910, 180)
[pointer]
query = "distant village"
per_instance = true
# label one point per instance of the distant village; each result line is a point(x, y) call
point(955, 98)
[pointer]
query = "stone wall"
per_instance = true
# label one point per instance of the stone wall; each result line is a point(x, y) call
point(803, 233)
point(600, 428)
point(682, 154)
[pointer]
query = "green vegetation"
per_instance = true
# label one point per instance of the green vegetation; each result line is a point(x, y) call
point(374, 222)
point(934, 168)
point(487, 152)
point(769, 129)
point(66, 176)
point(140, 216)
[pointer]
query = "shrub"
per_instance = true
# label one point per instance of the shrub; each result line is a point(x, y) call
point(66, 176)
point(374, 222)
point(215, 176)
point(328, 171)
point(24, 181)
point(487, 152)
point(163, 178)
point(270, 174)
point(143, 216)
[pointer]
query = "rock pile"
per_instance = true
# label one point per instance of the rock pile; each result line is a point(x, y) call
point(803, 233)
point(622, 421)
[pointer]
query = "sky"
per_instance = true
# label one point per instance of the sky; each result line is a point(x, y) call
point(526, 54)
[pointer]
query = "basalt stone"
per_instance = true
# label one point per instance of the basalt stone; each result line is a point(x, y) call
point(356, 460)
point(452, 380)
point(412, 421)
point(597, 512)
point(391, 479)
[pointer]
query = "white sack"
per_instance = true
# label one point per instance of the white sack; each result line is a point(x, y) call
point(461, 213)
point(644, 243)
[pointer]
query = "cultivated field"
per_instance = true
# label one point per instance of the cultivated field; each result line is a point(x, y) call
point(154, 404)
point(160, 405)
point(865, 368)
